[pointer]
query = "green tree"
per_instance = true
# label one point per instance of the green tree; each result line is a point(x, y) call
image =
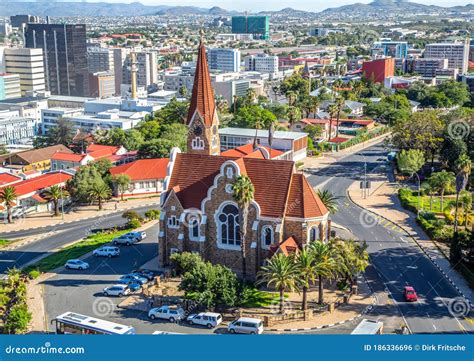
point(340, 103)
point(173, 112)
point(62, 133)
point(183, 91)
point(156, 148)
point(8, 196)
point(464, 165)
point(3, 149)
point(308, 272)
point(351, 258)
point(329, 200)
point(99, 192)
point(17, 319)
point(324, 258)
point(150, 129)
point(280, 272)
point(54, 194)
point(442, 181)
point(243, 194)
point(410, 161)
point(82, 182)
point(122, 182)
point(314, 131)
point(248, 116)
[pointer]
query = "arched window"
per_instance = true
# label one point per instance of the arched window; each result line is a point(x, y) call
point(313, 234)
point(197, 143)
point(267, 236)
point(228, 223)
point(194, 229)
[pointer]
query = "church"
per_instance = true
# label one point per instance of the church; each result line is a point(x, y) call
point(199, 213)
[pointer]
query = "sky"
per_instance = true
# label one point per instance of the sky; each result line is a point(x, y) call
point(252, 5)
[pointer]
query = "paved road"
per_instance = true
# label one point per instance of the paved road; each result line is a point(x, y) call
point(396, 260)
point(66, 233)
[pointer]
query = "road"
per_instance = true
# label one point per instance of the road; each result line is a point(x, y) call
point(396, 261)
point(64, 234)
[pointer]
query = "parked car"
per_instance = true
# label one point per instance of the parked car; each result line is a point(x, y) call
point(76, 264)
point(169, 313)
point(134, 286)
point(106, 251)
point(126, 239)
point(145, 273)
point(139, 235)
point(140, 275)
point(116, 290)
point(130, 278)
point(410, 294)
point(246, 325)
point(208, 319)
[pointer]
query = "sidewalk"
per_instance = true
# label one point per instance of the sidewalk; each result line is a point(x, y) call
point(383, 201)
point(46, 219)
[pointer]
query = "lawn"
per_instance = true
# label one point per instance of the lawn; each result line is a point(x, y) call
point(4, 242)
point(255, 298)
point(425, 202)
point(75, 250)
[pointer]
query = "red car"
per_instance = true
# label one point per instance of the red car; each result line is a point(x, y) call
point(410, 294)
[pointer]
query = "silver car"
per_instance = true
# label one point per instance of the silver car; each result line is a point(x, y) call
point(76, 264)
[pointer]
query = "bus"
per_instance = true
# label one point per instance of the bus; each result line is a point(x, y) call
point(74, 323)
point(368, 327)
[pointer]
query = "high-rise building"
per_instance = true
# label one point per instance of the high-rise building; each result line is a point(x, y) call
point(65, 56)
point(101, 84)
point(427, 67)
point(224, 59)
point(17, 21)
point(258, 26)
point(9, 86)
point(147, 69)
point(100, 59)
point(262, 63)
point(120, 57)
point(379, 69)
point(456, 53)
point(29, 65)
point(389, 48)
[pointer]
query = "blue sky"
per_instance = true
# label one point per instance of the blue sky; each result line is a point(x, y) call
point(252, 5)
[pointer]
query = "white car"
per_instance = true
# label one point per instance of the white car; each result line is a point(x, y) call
point(139, 235)
point(76, 264)
point(126, 239)
point(208, 319)
point(250, 325)
point(171, 314)
point(116, 290)
point(106, 251)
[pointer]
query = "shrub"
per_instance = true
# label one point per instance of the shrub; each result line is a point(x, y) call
point(152, 214)
point(405, 194)
point(132, 215)
point(443, 234)
point(34, 274)
point(17, 319)
point(449, 215)
point(134, 223)
point(185, 262)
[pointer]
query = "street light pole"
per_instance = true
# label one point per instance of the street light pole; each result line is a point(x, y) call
point(419, 191)
point(62, 204)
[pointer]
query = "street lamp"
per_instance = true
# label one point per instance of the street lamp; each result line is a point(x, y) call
point(419, 191)
point(62, 204)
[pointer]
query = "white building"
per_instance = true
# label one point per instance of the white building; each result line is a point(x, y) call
point(9, 86)
point(29, 65)
point(51, 116)
point(262, 63)
point(14, 130)
point(456, 53)
point(223, 59)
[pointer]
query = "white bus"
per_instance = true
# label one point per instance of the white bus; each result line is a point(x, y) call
point(75, 323)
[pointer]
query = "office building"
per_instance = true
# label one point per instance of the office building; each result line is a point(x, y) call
point(456, 53)
point(224, 59)
point(17, 130)
point(379, 69)
point(65, 56)
point(262, 63)
point(9, 86)
point(18, 21)
point(29, 65)
point(100, 59)
point(324, 31)
point(101, 84)
point(426, 67)
point(120, 57)
point(147, 69)
point(389, 48)
point(258, 26)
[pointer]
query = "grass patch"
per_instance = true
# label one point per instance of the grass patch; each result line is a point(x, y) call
point(410, 198)
point(73, 251)
point(255, 298)
point(4, 242)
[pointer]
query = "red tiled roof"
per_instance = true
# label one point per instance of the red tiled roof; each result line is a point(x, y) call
point(41, 182)
point(195, 173)
point(143, 169)
point(303, 202)
point(338, 140)
point(69, 157)
point(98, 151)
point(6, 178)
point(202, 99)
point(287, 247)
point(248, 151)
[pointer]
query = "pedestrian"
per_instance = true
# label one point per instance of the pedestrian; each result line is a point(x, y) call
point(116, 206)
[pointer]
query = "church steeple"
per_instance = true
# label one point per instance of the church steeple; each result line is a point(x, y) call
point(203, 122)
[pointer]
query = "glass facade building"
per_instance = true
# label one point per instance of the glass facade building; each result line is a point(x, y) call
point(65, 56)
point(259, 26)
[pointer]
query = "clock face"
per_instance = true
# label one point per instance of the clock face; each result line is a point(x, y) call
point(197, 130)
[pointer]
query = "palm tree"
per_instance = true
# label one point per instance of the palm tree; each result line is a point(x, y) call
point(243, 192)
point(351, 258)
point(99, 192)
point(307, 269)
point(325, 265)
point(280, 272)
point(294, 114)
point(332, 113)
point(291, 96)
point(122, 182)
point(54, 194)
point(340, 102)
point(329, 200)
point(442, 181)
point(464, 165)
point(8, 196)
point(429, 189)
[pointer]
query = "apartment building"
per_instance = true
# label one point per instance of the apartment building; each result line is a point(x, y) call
point(29, 65)
point(262, 63)
point(224, 59)
point(456, 53)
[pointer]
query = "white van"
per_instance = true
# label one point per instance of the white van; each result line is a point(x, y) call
point(246, 325)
